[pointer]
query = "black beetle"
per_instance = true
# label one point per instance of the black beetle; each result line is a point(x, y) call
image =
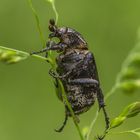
point(76, 68)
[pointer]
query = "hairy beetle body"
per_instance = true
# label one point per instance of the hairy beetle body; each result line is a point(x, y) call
point(76, 68)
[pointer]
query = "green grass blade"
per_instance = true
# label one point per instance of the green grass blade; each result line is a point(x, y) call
point(38, 23)
point(54, 9)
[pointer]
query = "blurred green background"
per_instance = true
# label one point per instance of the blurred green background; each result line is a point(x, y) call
point(29, 108)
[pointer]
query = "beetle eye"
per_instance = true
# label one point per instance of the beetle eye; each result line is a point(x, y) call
point(52, 22)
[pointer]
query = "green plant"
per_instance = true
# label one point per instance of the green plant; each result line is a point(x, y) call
point(127, 80)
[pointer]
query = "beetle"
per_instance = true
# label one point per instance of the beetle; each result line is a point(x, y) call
point(76, 68)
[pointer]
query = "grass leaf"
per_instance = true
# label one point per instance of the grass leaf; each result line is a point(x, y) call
point(129, 76)
point(10, 56)
point(128, 112)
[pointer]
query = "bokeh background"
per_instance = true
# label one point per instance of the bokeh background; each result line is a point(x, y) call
point(29, 108)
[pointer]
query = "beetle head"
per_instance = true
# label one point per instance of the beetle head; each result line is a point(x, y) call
point(68, 36)
point(56, 32)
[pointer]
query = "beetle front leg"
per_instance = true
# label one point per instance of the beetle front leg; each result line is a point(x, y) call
point(48, 46)
point(51, 45)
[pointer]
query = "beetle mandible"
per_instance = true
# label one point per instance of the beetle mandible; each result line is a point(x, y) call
point(76, 68)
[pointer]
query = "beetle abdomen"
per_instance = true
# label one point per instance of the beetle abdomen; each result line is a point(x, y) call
point(81, 98)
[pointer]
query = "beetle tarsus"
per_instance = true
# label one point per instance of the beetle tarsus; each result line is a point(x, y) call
point(38, 52)
point(100, 137)
point(64, 124)
point(106, 118)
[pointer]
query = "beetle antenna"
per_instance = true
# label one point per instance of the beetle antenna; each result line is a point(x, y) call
point(64, 123)
point(52, 22)
point(52, 26)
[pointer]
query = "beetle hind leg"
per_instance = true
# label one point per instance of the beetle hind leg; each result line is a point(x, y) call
point(102, 106)
point(64, 124)
point(106, 117)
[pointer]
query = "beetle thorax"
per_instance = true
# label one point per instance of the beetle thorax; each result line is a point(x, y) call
point(72, 38)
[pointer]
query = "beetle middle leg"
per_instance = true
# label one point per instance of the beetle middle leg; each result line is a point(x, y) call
point(56, 75)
